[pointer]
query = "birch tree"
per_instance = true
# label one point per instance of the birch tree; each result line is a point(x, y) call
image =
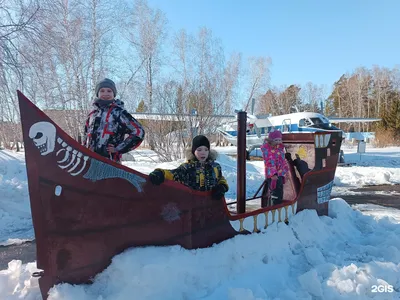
point(146, 33)
point(73, 55)
point(312, 96)
point(257, 79)
point(230, 82)
point(18, 23)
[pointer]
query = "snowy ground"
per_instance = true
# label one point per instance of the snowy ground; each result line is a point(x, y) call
point(375, 167)
point(343, 256)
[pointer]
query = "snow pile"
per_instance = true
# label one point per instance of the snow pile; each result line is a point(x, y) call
point(340, 256)
point(374, 167)
point(15, 211)
point(17, 283)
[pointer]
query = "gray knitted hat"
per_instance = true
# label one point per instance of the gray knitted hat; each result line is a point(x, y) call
point(108, 83)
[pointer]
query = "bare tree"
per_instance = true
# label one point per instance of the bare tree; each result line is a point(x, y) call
point(311, 95)
point(257, 77)
point(181, 64)
point(383, 81)
point(231, 76)
point(277, 101)
point(358, 88)
point(206, 83)
point(201, 86)
point(73, 54)
point(171, 137)
point(18, 24)
point(289, 99)
point(146, 33)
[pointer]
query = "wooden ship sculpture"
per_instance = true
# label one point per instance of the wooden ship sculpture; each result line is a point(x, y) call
point(87, 209)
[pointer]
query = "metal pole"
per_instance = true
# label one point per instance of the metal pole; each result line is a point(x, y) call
point(241, 162)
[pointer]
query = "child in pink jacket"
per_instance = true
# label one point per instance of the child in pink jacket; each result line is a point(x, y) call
point(275, 165)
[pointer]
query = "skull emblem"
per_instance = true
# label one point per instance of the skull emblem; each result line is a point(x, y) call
point(43, 135)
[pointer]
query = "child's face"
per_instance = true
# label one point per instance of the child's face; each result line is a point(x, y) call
point(201, 153)
point(106, 94)
point(276, 141)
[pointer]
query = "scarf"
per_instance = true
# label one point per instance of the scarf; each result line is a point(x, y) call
point(101, 102)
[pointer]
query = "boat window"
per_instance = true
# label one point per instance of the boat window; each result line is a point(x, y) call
point(286, 125)
point(305, 122)
point(318, 123)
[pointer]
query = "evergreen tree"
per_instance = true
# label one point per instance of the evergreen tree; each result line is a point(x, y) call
point(141, 107)
point(334, 102)
point(391, 117)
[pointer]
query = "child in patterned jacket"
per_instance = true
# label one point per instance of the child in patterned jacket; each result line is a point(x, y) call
point(201, 172)
point(110, 130)
point(275, 164)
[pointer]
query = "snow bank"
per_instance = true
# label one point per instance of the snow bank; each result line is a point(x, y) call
point(340, 256)
point(15, 212)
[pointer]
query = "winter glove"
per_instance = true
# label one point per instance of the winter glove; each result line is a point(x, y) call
point(156, 177)
point(273, 184)
point(288, 156)
point(218, 191)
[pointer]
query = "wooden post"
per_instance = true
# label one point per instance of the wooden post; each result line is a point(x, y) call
point(241, 162)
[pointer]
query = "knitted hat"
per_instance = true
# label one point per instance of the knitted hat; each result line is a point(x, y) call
point(106, 83)
point(276, 134)
point(198, 141)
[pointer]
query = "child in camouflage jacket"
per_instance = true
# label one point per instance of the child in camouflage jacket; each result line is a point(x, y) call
point(110, 130)
point(201, 172)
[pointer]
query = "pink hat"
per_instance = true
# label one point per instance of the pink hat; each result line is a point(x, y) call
point(276, 134)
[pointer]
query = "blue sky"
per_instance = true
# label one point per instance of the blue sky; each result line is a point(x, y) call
point(307, 40)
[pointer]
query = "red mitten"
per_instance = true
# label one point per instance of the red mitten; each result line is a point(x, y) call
point(273, 184)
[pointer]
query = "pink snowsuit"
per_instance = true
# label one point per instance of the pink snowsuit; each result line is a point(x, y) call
point(274, 160)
